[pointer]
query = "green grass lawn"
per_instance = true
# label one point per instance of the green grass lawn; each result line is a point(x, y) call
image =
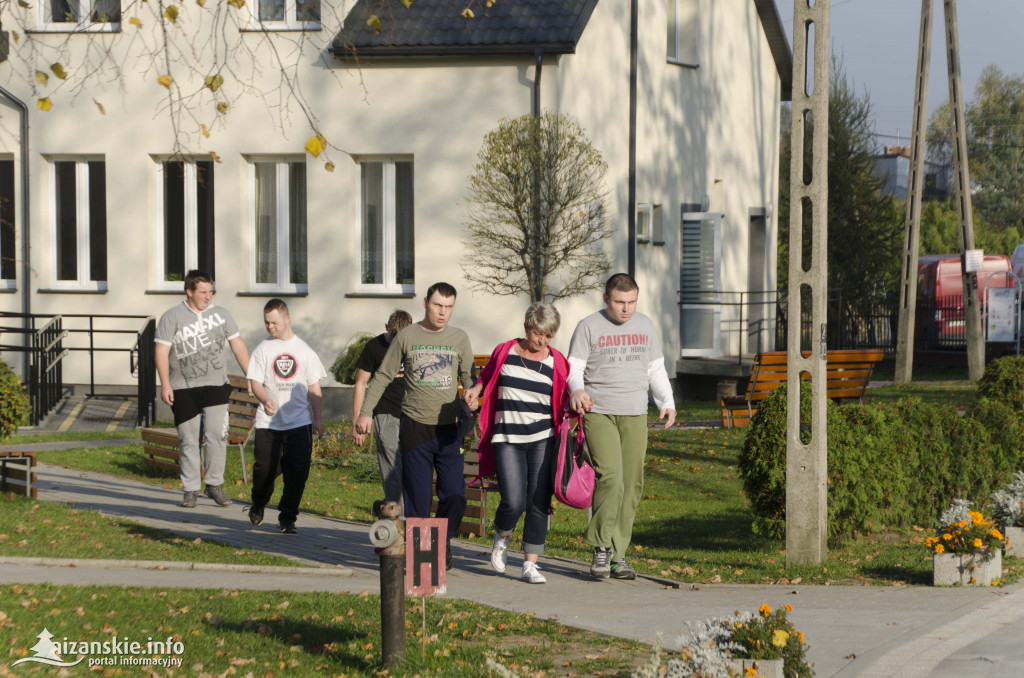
point(50, 437)
point(267, 633)
point(692, 525)
point(49, 530)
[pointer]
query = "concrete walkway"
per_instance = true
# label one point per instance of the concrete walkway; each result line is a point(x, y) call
point(853, 631)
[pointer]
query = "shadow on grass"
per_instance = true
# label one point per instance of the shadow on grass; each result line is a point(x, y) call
point(727, 530)
point(329, 642)
point(916, 577)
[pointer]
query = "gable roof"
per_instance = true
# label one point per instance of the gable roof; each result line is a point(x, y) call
point(436, 28)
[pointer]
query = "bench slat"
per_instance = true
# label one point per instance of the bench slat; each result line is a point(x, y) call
point(165, 452)
point(162, 465)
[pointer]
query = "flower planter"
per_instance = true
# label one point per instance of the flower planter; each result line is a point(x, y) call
point(1015, 535)
point(968, 569)
point(766, 668)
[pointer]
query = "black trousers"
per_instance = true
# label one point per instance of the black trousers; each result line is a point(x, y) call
point(285, 453)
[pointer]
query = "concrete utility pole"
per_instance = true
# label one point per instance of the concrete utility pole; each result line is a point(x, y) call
point(972, 310)
point(806, 464)
point(911, 246)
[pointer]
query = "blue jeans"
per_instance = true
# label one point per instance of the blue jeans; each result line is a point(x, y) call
point(525, 478)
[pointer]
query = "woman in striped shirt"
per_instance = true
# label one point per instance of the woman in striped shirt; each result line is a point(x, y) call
point(523, 390)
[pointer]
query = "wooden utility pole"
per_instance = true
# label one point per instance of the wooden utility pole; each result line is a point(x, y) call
point(806, 464)
point(912, 241)
point(972, 304)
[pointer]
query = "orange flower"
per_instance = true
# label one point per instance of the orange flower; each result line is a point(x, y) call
point(977, 543)
point(939, 548)
point(765, 610)
point(788, 608)
point(996, 533)
point(800, 637)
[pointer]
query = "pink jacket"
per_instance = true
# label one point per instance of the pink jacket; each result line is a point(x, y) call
point(489, 397)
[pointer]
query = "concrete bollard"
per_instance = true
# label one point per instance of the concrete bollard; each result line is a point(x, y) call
point(388, 536)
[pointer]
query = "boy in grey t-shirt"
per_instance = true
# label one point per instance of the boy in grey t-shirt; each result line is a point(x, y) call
point(614, 356)
point(191, 360)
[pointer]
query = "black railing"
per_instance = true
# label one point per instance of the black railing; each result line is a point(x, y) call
point(84, 336)
point(144, 369)
point(849, 325)
point(46, 352)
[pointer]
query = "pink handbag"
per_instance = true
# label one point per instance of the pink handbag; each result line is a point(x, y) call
point(574, 470)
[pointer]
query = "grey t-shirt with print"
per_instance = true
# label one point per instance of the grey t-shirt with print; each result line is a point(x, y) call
point(617, 358)
point(199, 344)
point(434, 364)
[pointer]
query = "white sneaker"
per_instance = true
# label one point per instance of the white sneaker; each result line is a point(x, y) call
point(531, 573)
point(499, 553)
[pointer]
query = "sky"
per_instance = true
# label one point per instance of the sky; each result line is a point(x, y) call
point(878, 39)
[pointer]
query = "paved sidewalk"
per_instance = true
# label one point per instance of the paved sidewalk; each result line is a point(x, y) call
point(853, 631)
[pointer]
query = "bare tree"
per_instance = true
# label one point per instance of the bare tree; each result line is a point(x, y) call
point(536, 215)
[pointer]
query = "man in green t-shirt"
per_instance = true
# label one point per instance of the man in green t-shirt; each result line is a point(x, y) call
point(435, 357)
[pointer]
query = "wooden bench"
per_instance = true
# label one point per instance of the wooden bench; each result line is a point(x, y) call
point(18, 473)
point(847, 374)
point(161, 444)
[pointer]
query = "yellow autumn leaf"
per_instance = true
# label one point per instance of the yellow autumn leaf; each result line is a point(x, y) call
point(134, 21)
point(103, 111)
point(467, 13)
point(44, 104)
point(171, 13)
point(42, 78)
point(374, 23)
point(206, 132)
point(201, 3)
point(216, 158)
point(213, 82)
point(329, 166)
point(59, 71)
point(165, 80)
point(222, 107)
point(315, 145)
point(490, 3)
point(407, 3)
point(237, 4)
point(22, 3)
point(16, 36)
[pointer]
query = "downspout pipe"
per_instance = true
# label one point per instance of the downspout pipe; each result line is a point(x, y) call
point(26, 249)
point(631, 248)
point(539, 54)
point(538, 246)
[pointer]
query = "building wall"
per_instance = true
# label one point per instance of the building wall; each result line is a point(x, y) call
point(695, 126)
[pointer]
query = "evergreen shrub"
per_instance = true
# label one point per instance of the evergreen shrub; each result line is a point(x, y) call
point(889, 464)
point(14, 404)
point(344, 366)
point(1003, 380)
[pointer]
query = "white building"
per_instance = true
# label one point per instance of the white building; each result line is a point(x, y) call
point(116, 206)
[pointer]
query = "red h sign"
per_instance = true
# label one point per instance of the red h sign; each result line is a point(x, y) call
point(425, 546)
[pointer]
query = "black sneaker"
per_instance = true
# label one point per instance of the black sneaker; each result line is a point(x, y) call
point(449, 559)
point(189, 499)
point(216, 493)
point(287, 526)
point(599, 568)
point(621, 570)
point(256, 514)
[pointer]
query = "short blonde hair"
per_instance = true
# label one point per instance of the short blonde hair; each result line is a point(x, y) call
point(544, 317)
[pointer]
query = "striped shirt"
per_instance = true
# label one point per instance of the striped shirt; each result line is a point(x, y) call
point(522, 413)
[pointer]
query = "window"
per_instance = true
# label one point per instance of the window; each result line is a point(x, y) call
point(8, 255)
point(81, 15)
point(683, 18)
point(387, 260)
point(657, 225)
point(278, 225)
point(79, 255)
point(643, 223)
point(186, 219)
point(700, 282)
point(288, 14)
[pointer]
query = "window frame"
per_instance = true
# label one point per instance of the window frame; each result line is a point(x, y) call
point(712, 295)
point(282, 204)
point(84, 23)
point(675, 54)
point(291, 21)
point(10, 283)
point(83, 240)
point(389, 239)
point(191, 244)
point(644, 236)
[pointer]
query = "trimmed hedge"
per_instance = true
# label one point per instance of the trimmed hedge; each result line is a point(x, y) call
point(895, 463)
point(1003, 380)
point(14, 404)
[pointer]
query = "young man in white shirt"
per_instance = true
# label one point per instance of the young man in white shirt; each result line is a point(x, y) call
point(284, 373)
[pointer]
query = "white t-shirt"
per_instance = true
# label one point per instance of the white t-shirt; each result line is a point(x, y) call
point(286, 369)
